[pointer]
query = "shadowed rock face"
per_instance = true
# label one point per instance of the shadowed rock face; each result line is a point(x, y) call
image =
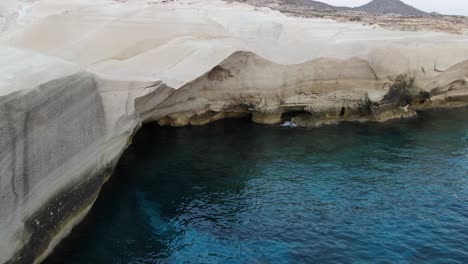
point(70, 103)
point(42, 131)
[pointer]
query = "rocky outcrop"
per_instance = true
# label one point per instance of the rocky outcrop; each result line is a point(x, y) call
point(71, 101)
point(314, 93)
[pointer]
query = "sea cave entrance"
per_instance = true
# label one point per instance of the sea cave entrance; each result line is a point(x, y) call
point(233, 191)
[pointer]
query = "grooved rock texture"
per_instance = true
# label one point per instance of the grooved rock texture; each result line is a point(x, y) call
point(79, 77)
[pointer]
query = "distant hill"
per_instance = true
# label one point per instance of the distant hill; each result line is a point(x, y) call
point(314, 4)
point(373, 7)
point(390, 7)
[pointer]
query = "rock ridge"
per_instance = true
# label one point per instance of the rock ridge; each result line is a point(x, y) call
point(325, 90)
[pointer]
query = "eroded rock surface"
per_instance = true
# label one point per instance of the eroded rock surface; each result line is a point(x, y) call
point(78, 78)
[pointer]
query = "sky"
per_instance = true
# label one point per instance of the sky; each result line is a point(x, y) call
point(449, 7)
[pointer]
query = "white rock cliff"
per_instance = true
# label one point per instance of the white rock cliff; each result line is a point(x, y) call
point(79, 77)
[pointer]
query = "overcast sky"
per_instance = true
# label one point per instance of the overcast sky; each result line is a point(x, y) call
point(452, 7)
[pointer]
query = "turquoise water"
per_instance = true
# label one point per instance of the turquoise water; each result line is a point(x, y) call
point(236, 192)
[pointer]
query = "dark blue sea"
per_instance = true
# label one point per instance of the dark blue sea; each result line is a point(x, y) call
point(237, 192)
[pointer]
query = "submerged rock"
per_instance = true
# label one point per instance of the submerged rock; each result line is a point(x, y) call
point(289, 124)
point(79, 78)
